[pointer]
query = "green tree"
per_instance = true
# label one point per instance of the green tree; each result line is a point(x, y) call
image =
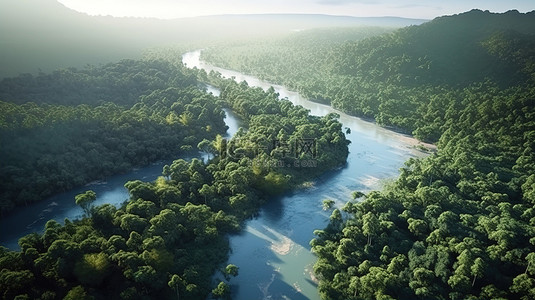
point(370, 225)
point(357, 194)
point(92, 269)
point(327, 204)
point(207, 146)
point(177, 284)
point(530, 258)
point(230, 270)
point(222, 291)
point(78, 293)
point(477, 269)
point(85, 201)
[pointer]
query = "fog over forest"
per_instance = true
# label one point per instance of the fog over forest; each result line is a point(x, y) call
point(48, 35)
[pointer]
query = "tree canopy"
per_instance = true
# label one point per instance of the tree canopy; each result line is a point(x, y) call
point(408, 79)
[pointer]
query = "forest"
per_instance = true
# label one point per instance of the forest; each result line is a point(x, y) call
point(172, 235)
point(458, 224)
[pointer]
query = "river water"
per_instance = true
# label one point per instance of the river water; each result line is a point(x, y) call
point(273, 252)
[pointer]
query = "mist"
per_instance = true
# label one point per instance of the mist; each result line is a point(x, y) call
point(46, 35)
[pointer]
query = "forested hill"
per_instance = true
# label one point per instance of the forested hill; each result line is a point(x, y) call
point(408, 79)
point(451, 50)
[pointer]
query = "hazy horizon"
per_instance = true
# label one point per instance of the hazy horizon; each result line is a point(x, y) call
point(169, 9)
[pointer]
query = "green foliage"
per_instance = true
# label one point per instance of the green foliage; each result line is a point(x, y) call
point(222, 291)
point(357, 194)
point(122, 83)
point(77, 292)
point(85, 201)
point(92, 269)
point(274, 183)
point(328, 204)
point(457, 224)
point(230, 270)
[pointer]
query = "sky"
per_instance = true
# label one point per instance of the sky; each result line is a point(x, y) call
point(168, 9)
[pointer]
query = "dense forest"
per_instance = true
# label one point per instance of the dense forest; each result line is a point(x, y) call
point(460, 223)
point(70, 127)
point(171, 236)
point(457, 225)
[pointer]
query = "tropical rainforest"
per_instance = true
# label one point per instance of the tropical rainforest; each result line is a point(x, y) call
point(460, 223)
point(406, 79)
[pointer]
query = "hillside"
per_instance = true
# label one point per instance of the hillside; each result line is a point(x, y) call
point(397, 78)
point(451, 50)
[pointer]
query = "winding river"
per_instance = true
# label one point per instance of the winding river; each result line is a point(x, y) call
point(273, 251)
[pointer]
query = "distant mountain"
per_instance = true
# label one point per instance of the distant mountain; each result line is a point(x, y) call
point(307, 21)
point(45, 35)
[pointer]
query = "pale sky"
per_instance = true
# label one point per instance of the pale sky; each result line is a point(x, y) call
point(167, 9)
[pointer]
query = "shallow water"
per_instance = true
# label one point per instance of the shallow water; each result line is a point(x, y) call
point(273, 252)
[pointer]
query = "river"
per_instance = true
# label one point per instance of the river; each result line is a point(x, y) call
point(273, 252)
